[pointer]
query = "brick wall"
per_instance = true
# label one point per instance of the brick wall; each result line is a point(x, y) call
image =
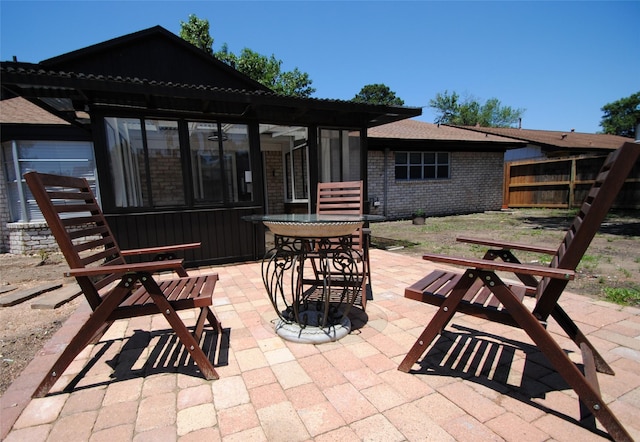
point(30, 238)
point(475, 186)
point(4, 210)
point(274, 181)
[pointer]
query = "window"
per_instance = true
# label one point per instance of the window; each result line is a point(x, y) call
point(215, 181)
point(339, 155)
point(148, 167)
point(70, 158)
point(422, 165)
point(296, 176)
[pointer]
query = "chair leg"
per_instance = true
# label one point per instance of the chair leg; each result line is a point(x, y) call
point(213, 320)
point(95, 326)
point(439, 321)
point(572, 330)
point(190, 343)
point(588, 393)
point(199, 327)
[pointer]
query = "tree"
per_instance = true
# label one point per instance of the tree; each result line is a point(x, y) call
point(621, 116)
point(378, 94)
point(450, 109)
point(196, 32)
point(265, 70)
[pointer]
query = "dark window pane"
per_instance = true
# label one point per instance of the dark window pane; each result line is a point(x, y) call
point(401, 173)
point(401, 158)
point(429, 172)
point(443, 171)
point(443, 157)
point(415, 172)
point(429, 158)
point(415, 158)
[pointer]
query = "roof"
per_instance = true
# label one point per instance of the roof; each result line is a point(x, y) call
point(69, 92)
point(132, 73)
point(19, 110)
point(555, 139)
point(421, 130)
point(155, 54)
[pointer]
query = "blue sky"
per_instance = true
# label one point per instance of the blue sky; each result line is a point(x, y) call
point(560, 61)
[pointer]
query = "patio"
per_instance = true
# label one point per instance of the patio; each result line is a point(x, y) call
point(475, 384)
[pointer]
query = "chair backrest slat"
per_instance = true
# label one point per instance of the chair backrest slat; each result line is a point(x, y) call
point(342, 198)
point(593, 211)
point(79, 227)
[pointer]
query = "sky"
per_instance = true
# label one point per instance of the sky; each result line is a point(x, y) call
point(559, 61)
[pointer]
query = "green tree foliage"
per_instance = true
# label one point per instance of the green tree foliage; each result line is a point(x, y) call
point(378, 94)
point(621, 116)
point(451, 109)
point(265, 70)
point(196, 32)
point(268, 71)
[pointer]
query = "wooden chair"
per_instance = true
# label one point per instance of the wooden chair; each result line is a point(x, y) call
point(113, 288)
point(481, 293)
point(347, 198)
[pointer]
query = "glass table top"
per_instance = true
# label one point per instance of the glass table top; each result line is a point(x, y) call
point(312, 218)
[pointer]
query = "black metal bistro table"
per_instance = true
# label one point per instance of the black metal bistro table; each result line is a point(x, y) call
point(311, 274)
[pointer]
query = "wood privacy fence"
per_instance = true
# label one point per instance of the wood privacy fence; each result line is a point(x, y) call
point(561, 183)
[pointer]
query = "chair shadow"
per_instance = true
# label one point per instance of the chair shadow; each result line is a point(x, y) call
point(488, 360)
point(166, 355)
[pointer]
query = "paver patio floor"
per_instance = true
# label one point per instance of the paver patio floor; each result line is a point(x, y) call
point(479, 381)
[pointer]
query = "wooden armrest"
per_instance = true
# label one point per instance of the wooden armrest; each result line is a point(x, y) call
point(508, 245)
point(155, 266)
point(160, 249)
point(487, 264)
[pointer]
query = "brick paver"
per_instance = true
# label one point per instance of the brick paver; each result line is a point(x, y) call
point(350, 390)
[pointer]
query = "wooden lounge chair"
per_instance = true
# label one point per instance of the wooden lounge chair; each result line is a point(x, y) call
point(113, 288)
point(347, 198)
point(480, 292)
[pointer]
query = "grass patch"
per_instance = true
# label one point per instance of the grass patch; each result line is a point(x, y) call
point(623, 295)
point(588, 263)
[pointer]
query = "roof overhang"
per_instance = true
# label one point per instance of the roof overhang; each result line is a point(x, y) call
point(67, 93)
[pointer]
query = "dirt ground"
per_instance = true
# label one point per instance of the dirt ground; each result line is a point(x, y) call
point(24, 330)
point(612, 260)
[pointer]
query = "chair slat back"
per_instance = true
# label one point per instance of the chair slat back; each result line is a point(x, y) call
point(342, 198)
point(78, 225)
point(593, 211)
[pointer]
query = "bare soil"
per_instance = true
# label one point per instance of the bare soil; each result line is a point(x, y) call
point(23, 330)
point(612, 260)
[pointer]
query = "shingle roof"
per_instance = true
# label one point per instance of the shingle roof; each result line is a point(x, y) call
point(421, 130)
point(21, 111)
point(555, 139)
point(31, 80)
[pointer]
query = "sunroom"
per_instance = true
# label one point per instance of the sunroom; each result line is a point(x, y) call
point(182, 155)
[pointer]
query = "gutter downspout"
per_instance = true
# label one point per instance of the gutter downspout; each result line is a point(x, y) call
point(385, 185)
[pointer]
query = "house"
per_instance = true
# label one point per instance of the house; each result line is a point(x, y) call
point(441, 169)
point(553, 144)
point(182, 145)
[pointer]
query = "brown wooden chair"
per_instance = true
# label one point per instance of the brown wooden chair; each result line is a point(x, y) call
point(113, 288)
point(481, 293)
point(347, 198)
